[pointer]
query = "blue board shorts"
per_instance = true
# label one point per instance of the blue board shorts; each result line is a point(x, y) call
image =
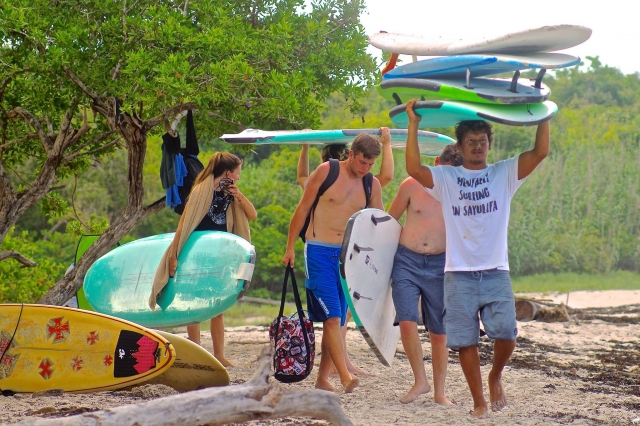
point(417, 275)
point(325, 298)
point(469, 296)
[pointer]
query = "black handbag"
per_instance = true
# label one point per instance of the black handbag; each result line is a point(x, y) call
point(292, 338)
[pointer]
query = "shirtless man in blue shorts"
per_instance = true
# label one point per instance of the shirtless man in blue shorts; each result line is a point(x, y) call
point(418, 273)
point(325, 298)
point(475, 200)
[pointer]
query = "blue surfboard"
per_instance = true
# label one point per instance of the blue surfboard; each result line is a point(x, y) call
point(480, 65)
point(213, 273)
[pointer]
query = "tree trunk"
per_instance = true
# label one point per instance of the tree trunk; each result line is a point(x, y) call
point(253, 400)
point(133, 132)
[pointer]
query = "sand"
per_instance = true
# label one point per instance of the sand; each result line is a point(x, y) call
point(582, 372)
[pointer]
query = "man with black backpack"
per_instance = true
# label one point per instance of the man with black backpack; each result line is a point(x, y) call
point(329, 205)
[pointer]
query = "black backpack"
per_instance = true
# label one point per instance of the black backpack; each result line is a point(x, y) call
point(334, 171)
point(194, 167)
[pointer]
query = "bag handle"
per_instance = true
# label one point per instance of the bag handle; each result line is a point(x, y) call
point(296, 295)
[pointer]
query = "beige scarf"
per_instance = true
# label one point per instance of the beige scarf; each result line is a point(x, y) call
point(197, 207)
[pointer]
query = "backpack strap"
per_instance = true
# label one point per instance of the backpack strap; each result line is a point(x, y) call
point(367, 182)
point(334, 172)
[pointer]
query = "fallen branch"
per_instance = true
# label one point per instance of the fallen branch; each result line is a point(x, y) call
point(254, 400)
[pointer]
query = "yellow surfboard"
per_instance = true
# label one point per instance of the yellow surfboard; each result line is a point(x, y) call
point(194, 368)
point(52, 347)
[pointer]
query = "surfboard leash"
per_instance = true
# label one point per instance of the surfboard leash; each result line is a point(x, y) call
point(7, 392)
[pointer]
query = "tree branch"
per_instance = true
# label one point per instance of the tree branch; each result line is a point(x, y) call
point(152, 122)
point(254, 400)
point(15, 141)
point(63, 140)
point(78, 152)
point(154, 207)
point(240, 125)
point(12, 254)
point(97, 101)
point(33, 121)
point(116, 72)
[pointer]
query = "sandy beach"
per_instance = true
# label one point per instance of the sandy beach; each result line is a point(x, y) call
point(585, 371)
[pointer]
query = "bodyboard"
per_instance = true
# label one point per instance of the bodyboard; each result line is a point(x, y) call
point(368, 249)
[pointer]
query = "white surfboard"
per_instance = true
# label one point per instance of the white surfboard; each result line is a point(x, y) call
point(368, 248)
point(543, 39)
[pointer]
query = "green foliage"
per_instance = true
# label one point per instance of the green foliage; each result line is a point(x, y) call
point(599, 85)
point(25, 285)
point(565, 282)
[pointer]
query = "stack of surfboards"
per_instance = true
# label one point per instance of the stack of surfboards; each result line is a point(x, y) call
point(454, 86)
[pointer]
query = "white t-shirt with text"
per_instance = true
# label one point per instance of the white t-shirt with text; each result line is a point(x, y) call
point(476, 206)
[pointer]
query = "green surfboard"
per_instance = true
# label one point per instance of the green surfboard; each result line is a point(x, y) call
point(84, 243)
point(482, 90)
point(214, 270)
point(449, 113)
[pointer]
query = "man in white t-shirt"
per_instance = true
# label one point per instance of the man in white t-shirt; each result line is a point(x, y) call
point(475, 200)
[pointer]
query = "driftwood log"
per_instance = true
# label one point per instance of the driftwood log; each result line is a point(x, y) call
point(254, 400)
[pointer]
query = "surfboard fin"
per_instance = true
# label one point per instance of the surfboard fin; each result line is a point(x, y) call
point(538, 84)
point(358, 249)
point(391, 64)
point(468, 85)
point(514, 82)
point(377, 220)
point(358, 296)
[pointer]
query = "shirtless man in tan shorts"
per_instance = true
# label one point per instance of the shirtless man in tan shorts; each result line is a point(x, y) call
point(325, 299)
point(418, 271)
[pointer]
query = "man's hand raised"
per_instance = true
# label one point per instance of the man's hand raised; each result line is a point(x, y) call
point(411, 114)
point(385, 136)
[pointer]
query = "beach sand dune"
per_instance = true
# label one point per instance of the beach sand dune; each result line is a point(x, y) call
point(586, 371)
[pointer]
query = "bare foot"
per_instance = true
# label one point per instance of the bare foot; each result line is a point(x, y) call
point(353, 371)
point(480, 412)
point(443, 400)
point(325, 385)
point(415, 392)
point(351, 385)
point(498, 398)
point(225, 362)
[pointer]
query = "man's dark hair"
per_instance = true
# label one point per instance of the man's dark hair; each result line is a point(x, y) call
point(476, 126)
point(366, 144)
point(451, 156)
point(335, 151)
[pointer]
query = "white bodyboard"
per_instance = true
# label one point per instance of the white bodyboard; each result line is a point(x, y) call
point(369, 246)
